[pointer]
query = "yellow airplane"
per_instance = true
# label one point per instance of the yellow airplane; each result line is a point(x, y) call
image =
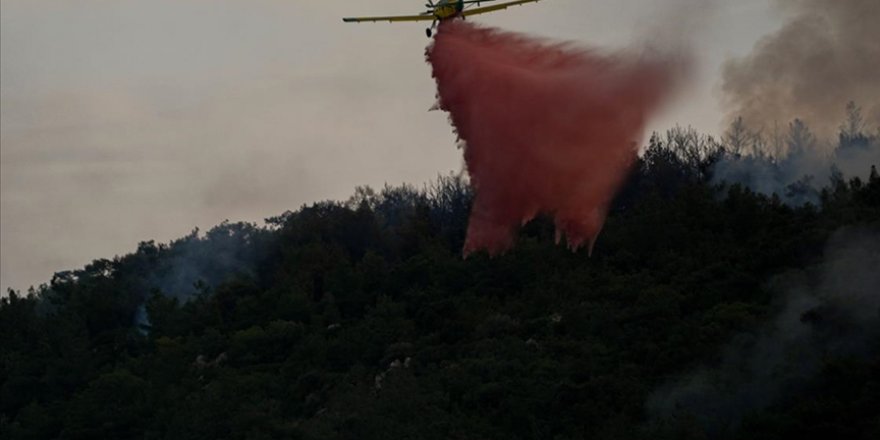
point(444, 10)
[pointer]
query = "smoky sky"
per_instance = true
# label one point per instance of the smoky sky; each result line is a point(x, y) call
point(826, 54)
point(131, 120)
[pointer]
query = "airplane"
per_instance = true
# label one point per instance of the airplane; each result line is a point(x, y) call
point(443, 10)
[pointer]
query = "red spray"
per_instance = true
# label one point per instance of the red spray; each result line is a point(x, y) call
point(546, 128)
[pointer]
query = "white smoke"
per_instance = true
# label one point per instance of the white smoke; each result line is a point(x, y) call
point(832, 309)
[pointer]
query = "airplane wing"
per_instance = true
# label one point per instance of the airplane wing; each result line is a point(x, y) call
point(390, 19)
point(498, 7)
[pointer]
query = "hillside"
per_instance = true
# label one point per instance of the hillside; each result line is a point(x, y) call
point(707, 310)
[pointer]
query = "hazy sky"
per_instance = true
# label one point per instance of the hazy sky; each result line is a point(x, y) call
point(131, 120)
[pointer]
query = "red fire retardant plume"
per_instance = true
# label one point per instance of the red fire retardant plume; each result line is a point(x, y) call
point(546, 128)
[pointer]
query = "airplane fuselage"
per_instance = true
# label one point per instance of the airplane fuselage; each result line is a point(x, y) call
point(448, 9)
point(441, 10)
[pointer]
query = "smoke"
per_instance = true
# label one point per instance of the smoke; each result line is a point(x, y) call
point(798, 175)
point(194, 263)
point(142, 320)
point(830, 310)
point(827, 54)
point(546, 128)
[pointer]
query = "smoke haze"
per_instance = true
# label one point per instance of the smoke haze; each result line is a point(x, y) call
point(799, 175)
point(131, 120)
point(830, 310)
point(546, 128)
point(827, 54)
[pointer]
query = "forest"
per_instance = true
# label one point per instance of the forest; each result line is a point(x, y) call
point(730, 295)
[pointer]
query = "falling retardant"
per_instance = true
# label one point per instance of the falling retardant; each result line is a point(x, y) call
point(546, 128)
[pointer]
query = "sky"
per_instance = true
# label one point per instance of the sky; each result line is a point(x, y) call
point(130, 120)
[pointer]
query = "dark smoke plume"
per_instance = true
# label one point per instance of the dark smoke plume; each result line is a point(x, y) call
point(829, 310)
point(827, 54)
point(546, 128)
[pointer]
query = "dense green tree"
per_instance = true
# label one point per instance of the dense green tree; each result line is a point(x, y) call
point(362, 320)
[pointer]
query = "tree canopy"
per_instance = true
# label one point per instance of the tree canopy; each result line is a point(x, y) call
point(361, 320)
